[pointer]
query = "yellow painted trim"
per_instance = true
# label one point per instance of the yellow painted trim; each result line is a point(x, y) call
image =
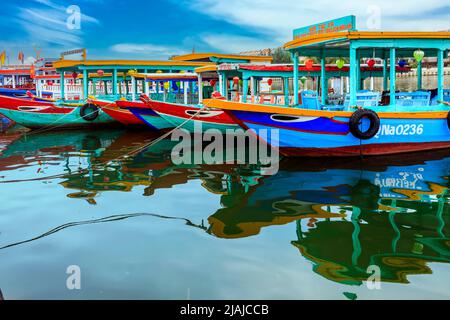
point(206, 69)
point(353, 35)
point(198, 56)
point(131, 63)
point(229, 105)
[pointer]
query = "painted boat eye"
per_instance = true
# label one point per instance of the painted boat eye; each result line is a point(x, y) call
point(284, 118)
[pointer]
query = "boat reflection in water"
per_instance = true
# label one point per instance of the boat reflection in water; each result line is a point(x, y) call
point(349, 214)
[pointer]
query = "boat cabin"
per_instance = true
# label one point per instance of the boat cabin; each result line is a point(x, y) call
point(339, 68)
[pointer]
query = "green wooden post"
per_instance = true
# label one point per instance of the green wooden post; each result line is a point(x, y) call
point(440, 74)
point(385, 73)
point(295, 58)
point(419, 76)
point(286, 90)
point(323, 78)
point(85, 84)
point(114, 82)
point(62, 85)
point(392, 76)
point(353, 76)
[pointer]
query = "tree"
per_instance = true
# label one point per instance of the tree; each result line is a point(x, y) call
point(281, 56)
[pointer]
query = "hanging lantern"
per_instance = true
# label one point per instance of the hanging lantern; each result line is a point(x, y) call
point(236, 80)
point(213, 83)
point(159, 71)
point(166, 85)
point(371, 63)
point(309, 64)
point(269, 82)
point(340, 63)
point(303, 80)
point(100, 73)
point(402, 63)
point(74, 75)
point(418, 55)
point(49, 82)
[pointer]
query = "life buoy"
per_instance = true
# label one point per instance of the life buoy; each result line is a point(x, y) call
point(89, 112)
point(355, 123)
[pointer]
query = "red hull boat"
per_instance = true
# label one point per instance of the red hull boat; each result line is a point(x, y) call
point(189, 115)
point(117, 110)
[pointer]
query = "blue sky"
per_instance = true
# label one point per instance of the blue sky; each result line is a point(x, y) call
point(155, 29)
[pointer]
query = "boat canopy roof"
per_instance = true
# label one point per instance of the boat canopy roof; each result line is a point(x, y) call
point(167, 76)
point(369, 43)
point(76, 65)
point(285, 70)
point(223, 58)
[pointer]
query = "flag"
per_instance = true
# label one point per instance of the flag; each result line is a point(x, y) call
point(21, 57)
point(2, 58)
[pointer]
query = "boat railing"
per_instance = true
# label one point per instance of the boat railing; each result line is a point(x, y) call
point(418, 98)
point(364, 98)
point(178, 98)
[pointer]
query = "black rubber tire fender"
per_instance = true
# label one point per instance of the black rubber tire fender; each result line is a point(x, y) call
point(355, 122)
point(89, 112)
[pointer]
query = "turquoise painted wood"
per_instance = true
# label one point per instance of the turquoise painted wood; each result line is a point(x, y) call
point(51, 120)
point(295, 59)
point(392, 75)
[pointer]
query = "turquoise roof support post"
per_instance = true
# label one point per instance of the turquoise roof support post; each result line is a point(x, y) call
point(353, 76)
point(62, 85)
point(358, 70)
point(385, 73)
point(323, 78)
point(85, 84)
point(245, 90)
point(286, 90)
point(419, 76)
point(114, 82)
point(440, 74)
point(392, 75)
point(295, 59)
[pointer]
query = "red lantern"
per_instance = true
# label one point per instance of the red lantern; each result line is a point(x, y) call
point(236, 80)
point(213, 83)
point(74, 76)
point(49, 83)
point(269, 82)
point(371, 63)
point(309, 64)
point(100, 73)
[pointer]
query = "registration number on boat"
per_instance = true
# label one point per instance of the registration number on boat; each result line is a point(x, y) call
point(400, 130)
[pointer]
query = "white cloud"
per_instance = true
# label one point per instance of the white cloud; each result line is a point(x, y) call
point(145, 49)
point(278, 18)
point(228, 43)
point(47, 24)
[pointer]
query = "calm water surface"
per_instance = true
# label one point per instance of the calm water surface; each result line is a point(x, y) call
point(142, 228)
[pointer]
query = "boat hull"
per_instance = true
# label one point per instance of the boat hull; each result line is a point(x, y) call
point(117, 110)
point(190, 117)
point(35, 115)
point(314, 133)
point(145, 114)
